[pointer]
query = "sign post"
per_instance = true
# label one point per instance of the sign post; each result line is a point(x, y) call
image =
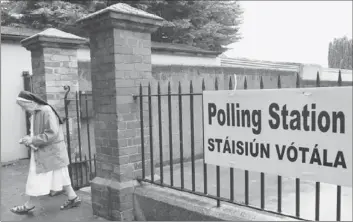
point(301, 133)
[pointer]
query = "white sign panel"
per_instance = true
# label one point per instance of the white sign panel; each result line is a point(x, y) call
point(302, 133)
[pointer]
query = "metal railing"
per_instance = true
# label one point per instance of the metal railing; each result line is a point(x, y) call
point(81, 169)
point(231, 199)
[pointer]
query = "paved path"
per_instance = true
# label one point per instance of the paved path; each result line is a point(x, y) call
point(13, 179)
point(307, 198)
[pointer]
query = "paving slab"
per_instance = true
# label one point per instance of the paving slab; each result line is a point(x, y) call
point(13, 179)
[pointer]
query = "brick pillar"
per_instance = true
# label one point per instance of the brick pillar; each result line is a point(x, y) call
point(120, 42)
point(54, 65)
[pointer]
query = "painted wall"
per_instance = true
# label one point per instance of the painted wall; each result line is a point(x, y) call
point(83, 54)
point(14, 60)
point(165, 59)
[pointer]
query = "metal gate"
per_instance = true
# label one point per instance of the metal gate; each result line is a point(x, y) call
point(28, 86)
point(79, 135)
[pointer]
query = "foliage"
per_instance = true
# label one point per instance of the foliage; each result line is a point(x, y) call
point(340, 53)
point(41, 14)
point(205, 24)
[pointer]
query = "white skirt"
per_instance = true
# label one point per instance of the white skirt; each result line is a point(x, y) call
point(41, 184)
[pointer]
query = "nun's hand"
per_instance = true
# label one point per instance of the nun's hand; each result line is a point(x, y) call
point(27, 140)
point(21, 141)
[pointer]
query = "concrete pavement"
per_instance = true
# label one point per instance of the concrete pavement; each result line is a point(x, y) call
point(13, 179)
point(307, 194)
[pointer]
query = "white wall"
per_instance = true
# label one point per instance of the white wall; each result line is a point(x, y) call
point(257, 64)
point(14, 60)
point(165, 59)
point(84, 54)
point(309, 72)
point(332, 75)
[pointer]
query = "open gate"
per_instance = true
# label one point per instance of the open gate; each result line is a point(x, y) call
point(80, 138)
point(28, 86)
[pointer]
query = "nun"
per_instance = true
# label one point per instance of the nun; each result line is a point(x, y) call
point(48, 168)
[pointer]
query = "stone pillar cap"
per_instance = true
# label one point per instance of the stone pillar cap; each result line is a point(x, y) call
point(128, 18)
point(52, 37)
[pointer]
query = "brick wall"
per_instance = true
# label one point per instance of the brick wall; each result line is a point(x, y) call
point(120, 45)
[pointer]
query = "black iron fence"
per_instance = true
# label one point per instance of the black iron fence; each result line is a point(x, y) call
point(179, 96)
point(81, 156)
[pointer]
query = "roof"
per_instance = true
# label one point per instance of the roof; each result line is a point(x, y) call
point(52, 32)
point(53, 35)
point(243, 62)
point(20, 33)
point(124, 9)
point(16, 33)
point(160, 46)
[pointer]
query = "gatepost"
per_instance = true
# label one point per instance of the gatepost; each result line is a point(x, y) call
point(120, 43)
point(54, 65)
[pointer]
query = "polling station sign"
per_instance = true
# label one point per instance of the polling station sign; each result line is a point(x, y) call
point(302, 133)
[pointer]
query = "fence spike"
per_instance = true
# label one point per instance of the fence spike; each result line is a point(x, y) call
point(160, 133)
point(230, 83)
point(149, 88)
point(67, 89)
point(279, 82)
point(261, 83)
point(141, 90)
point(339, 82)
point(169, 88)
point(297, 83)
point(159, 89)
point(317, 79)
point(245, 83)
point(216, 84)
point(203, 85)
point(150, 123)
point(181, 144)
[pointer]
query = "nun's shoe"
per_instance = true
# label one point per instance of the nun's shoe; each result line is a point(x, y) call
point(71, 203)
point(21, 209)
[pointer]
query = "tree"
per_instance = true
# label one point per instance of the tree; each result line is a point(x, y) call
point(205, 24)
point(340, 53)
point(41, 14)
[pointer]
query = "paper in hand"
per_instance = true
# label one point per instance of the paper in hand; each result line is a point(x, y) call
point(33, 147)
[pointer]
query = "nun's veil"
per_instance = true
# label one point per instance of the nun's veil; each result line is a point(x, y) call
point(25, 95)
